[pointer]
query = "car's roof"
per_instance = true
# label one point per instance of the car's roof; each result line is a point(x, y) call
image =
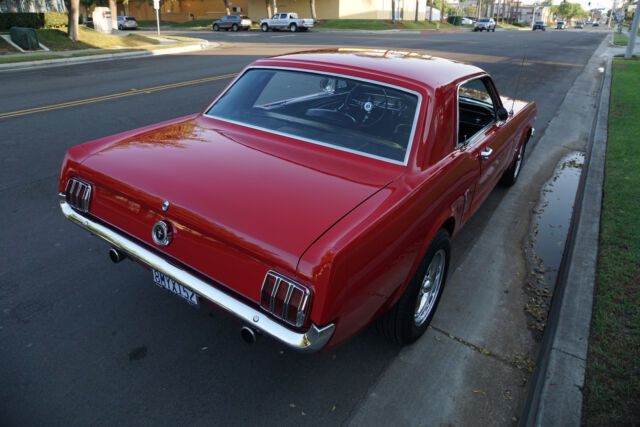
point(428, 70)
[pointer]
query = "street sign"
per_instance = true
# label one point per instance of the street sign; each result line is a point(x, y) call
point(546, 4)
point(156, 4)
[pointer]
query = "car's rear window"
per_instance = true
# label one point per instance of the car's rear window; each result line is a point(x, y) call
point(349, 114)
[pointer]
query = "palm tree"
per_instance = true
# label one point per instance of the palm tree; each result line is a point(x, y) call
point(268, 4)
point(393, 11)
point(74, 13)
point(312, 6)
point(417, 6)
point(430, 10)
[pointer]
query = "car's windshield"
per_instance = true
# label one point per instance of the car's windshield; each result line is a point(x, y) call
point(484, 20)
point(345, 113)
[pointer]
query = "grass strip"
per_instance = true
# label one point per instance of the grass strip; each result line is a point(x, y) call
point(620, 39)
point(10, 59)
point(613, 371)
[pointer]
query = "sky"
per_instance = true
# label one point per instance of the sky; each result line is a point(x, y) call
point(594, 3)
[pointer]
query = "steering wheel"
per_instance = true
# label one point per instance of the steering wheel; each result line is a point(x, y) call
point(367, 104)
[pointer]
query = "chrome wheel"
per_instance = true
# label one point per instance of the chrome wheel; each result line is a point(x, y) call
point(516, 166)
point(430, 288)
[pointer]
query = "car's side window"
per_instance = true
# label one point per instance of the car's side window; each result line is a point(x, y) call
point(476, 109)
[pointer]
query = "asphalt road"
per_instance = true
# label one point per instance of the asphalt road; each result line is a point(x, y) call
point(85, 342)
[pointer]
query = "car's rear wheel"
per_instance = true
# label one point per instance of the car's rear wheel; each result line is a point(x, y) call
point(411, 315)
point(120, 27)
point(216, 27)
point(293, 28)
point(264, 28)
point(234, 27)
point(493, 30)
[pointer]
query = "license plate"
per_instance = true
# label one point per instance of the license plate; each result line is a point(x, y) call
point(174, 287)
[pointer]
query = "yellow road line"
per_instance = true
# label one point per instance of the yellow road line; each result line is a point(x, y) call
point(112, 96)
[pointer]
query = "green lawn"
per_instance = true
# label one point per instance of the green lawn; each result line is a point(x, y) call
point(613, 368)
point(90, 39)
point(6, 48)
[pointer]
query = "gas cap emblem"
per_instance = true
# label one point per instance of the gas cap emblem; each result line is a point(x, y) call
point(165, 206)
point(161, 233)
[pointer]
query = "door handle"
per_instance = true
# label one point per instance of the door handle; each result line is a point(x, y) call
point(484, 155)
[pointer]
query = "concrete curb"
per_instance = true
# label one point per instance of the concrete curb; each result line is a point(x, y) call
point(60, 62)
point(555, 395)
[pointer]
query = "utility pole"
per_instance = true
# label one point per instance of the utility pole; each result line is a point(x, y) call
point(634, 31)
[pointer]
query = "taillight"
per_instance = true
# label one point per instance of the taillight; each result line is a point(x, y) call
point(284, 298)
point(78, 194)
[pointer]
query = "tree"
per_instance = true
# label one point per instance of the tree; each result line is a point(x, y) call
point(417, 6)
point(430, 10)
point(268, 4)
point(114, 14)
point(74, 15)
point(226, 6)
point(393, 11)
point(312, 6)
point(442, 11)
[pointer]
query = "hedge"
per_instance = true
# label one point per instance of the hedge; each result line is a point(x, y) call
point(454, 20)
point(33, 20)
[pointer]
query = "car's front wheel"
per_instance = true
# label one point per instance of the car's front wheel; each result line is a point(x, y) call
point(411, 315)
point(511, 175)
point(216, 27)
point(234, 27)
point(264, 28)
point(293, 28)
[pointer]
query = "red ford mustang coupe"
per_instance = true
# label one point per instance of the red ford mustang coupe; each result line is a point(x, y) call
point(317, 193)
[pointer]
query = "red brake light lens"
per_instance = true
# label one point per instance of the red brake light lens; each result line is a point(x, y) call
point(284, 298)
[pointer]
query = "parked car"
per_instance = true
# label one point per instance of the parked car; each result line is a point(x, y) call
point(579, 25)
point(561, 25)
point(286, 21)
point(466, 21)
point(88, 22)
point(317, 193)
point(596, 24)
point(232, 22)
point(485, 24)
point(539, 25)
point(127, 23)
point(589, 22)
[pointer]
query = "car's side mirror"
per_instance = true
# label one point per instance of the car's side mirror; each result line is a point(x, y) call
point(503, 114)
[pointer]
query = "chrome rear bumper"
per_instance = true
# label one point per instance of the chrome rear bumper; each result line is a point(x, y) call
point(312, 340)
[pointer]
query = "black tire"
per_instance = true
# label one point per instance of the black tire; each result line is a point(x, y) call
point(264, 28)
point(493, 30)
point(234, 27)
point(216, 27)
point(293, 28)
point(120, 27)
point(402, 323)
point(511, 175)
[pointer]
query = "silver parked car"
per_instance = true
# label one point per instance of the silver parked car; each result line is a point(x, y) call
point(127, 23)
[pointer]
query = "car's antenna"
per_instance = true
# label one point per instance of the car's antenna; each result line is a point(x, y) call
point(524, 57)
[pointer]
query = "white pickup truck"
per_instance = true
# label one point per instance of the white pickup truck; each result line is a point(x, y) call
point(286, 21)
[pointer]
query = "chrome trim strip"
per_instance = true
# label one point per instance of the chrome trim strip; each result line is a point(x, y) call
point(312, 340)
point(410, 144)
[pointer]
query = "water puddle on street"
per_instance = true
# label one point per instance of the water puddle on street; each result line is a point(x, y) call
point(547, 237)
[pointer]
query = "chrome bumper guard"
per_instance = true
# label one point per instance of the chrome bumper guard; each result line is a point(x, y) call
point(312, 340)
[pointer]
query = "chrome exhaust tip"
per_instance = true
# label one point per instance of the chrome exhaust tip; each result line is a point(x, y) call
point(248, 335)
point(116, 255)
